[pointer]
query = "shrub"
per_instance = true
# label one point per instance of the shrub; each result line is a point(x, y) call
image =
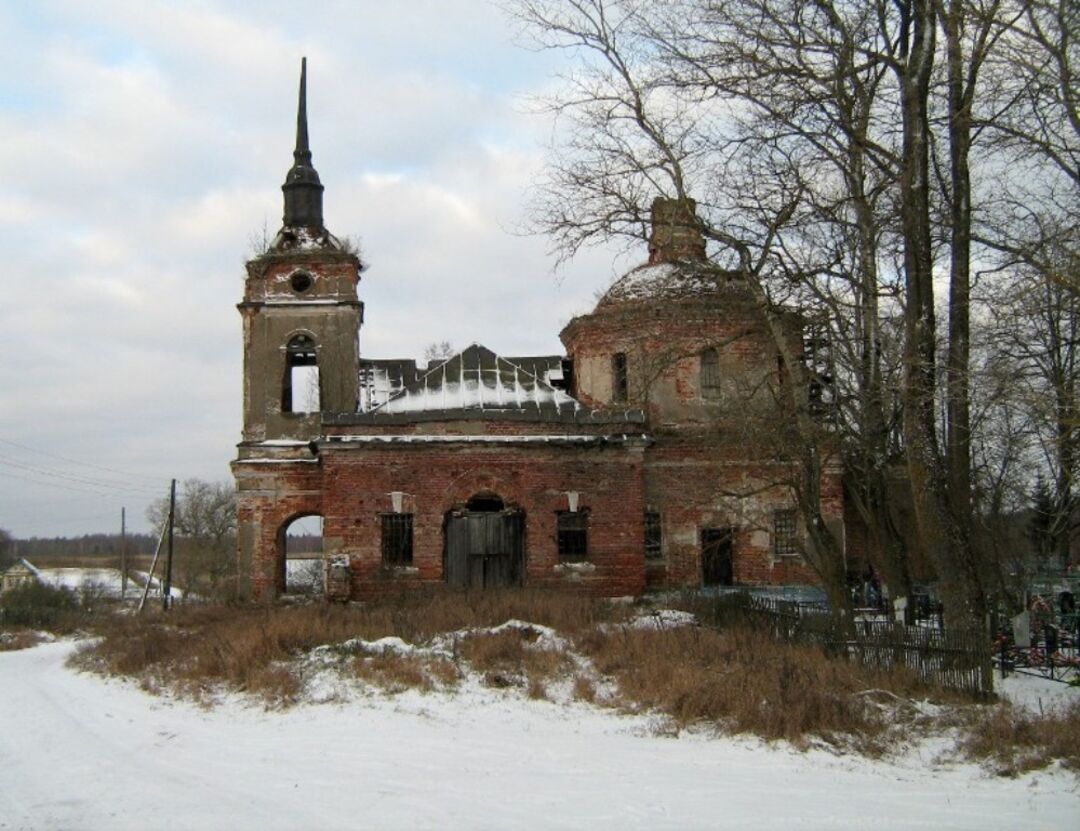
point(40, 606)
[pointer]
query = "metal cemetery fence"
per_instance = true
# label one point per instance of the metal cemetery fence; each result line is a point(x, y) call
point(952, 658)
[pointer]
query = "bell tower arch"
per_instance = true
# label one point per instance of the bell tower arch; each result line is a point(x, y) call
point(301, 312)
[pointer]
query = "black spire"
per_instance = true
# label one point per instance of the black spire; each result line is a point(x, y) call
point(302, 188)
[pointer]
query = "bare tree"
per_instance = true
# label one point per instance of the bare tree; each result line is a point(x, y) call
point(1037, 340)
point(832, 149)
point(438, 351)
point(1031, 131)
point(205, 522)
point(7, 548)
point(676, 99)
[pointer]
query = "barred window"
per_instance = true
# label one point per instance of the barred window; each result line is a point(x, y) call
point(397, 539)
point(620, 386)
point(710, 374)
point(653, 539)
point(573, 536)
point(785, 536)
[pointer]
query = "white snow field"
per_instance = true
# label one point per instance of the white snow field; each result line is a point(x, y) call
point(106, 581)
point(81, 752)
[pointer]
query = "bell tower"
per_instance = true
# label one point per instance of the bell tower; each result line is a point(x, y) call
point(301, 312)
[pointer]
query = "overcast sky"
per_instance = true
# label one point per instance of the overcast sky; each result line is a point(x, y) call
point(142, 148)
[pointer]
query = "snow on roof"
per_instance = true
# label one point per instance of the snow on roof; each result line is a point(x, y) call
point(665, 281)
point(302, 238)
point(381, 379)
point(478, 379)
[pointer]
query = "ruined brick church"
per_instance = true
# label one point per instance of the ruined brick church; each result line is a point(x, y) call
point(624, 465)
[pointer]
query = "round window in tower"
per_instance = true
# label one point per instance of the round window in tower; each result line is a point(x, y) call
point(301, 281)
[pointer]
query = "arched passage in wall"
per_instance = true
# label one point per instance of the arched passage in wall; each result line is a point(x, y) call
point(484, 544)
point(300, 544)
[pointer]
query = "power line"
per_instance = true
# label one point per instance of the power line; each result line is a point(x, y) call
point(58, 457)
point(86, 486)
point(73, 477)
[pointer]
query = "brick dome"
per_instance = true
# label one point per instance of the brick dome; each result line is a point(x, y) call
point(662, 282)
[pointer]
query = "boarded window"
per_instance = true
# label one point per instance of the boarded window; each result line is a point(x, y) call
point(397, 539)
point(573, 536)
point(620, 386)
point(785, 536)
point(653, 540)
point(710, 374)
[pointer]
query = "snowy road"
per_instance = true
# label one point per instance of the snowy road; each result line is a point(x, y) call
point(78, 752)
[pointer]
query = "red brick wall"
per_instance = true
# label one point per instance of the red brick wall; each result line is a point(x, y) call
point(693, 486)
point(351, 487)
point(709, 465)
point(269, 497)
point(662, 344)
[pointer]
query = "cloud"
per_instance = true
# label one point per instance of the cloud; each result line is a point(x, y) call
point(142, 146)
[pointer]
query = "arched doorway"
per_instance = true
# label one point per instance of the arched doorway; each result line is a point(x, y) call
point(300, 541)
point(484, 544)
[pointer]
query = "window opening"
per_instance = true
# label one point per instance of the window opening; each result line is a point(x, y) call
point(619, 380)
point(785, 538)
point(303, 542)
point(717, 556)
point(301, 390)
point(301, 281)
point(397, 539)
point(653, 539)
point(573, 536)
point(710, 374)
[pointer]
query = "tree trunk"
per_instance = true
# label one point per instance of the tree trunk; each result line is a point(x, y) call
point(939, 532)
point(958, 402)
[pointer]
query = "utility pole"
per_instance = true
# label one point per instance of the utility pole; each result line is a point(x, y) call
point(123, 554)
point(153, 563)
point(167, 591)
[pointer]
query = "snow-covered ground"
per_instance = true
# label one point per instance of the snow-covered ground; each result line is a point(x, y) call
point(1035, 693)
point(103, 581)
point(81, 752)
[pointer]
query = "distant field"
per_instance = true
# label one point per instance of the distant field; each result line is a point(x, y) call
point(138, 562)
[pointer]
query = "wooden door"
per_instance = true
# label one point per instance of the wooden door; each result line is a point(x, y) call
point(485, 549)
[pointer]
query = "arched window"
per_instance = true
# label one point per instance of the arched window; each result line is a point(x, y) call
point(300, 392)
point(710, 374)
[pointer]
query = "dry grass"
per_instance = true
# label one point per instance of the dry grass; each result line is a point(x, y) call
point(584, 689)
point(197, 648)
point(395, 673)
point(1013, 740)
point(512, 658)
point(537, 690)
point(735, 679)
point(746, 682)
point(19, 639)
